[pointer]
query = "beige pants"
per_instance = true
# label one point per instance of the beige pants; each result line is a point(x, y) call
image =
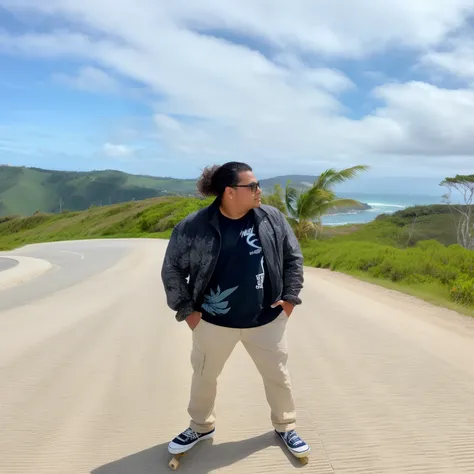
point(266, 345)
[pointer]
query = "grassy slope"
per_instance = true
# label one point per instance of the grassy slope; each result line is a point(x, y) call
point(24, 191)
point(376, 252)
point(148, 218)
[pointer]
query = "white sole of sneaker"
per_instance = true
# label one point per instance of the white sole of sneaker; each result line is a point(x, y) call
point(297, 454)
point(184, 449)
point(300, 454)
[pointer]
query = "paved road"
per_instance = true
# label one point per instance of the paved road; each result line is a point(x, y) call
point(74, 262)
point(7, 263)
point(95, 373)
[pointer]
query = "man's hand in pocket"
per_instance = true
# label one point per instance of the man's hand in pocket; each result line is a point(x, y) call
point(193, 319)
point(287, 307)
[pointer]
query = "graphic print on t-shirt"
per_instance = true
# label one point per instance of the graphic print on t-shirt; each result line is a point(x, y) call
point(260, 277)
point(235, 294)
point(251, 239)
point(214, 303)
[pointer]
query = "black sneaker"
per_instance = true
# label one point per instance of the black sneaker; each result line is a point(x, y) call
point(188, 439)
point(293, 442)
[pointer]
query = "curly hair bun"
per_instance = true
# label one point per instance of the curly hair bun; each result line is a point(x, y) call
point(206, 184)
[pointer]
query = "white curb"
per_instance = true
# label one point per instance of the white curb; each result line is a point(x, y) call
point(27, 269)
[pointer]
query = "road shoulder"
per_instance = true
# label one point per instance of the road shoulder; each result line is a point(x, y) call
point(27, 269)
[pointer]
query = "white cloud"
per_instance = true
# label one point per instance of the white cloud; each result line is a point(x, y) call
point(427, 120)
point(89, 79)
point(343, 27)
point(220, 100)
point(57, 44)
point(458, 60)
point(117, 151)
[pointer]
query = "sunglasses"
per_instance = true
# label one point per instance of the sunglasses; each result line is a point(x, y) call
point(253, 186)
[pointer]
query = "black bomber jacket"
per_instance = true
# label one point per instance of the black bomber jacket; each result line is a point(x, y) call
point(193, 250)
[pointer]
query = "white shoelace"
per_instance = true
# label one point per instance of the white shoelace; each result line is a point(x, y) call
point(292, 435)
point(191, 434)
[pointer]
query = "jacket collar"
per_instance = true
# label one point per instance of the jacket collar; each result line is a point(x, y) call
point(260, 214)
point(213, 212)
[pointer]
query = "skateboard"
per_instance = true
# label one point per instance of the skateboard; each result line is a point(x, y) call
point(303, 458)
point(175, 460)
point(174, 463)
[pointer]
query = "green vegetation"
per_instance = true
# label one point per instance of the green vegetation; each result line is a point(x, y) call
point(275, 198)
point(306, 207)
point(148, 218)
point(464, 185)
point(24, 191)
point(414, 250)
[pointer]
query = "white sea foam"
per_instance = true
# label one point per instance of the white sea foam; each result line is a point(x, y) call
point(380, 204)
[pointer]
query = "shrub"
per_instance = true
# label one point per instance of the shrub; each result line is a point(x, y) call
point(462, 290)
point(429, 262)
point(24, 223)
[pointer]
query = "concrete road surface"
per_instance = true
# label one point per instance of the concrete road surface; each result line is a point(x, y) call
point(7, 263)
point(95, 375)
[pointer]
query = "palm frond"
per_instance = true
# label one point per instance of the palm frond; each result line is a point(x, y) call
point(291, 197)
point(344, 175)
point(306, 207)
point(311, 202)
point(323, 178)
point(292, 221)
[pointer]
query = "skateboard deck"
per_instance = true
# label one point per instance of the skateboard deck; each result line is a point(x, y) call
point(303, 458)
point(174, 463)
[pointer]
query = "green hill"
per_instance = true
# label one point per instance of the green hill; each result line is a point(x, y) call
point(24, 190)
point(297, 181)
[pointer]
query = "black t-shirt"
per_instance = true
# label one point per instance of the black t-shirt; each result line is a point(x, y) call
point(238, 294)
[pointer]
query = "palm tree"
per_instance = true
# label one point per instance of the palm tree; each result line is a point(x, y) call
point(306, 208)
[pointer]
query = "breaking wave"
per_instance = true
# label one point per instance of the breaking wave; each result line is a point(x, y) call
point(380, 204)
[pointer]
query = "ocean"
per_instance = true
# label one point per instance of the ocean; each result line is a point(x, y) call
point(381, 204)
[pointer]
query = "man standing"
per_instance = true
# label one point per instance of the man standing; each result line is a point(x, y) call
point(245, 271)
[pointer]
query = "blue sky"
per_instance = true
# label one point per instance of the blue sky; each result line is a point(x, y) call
point(166, 89)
